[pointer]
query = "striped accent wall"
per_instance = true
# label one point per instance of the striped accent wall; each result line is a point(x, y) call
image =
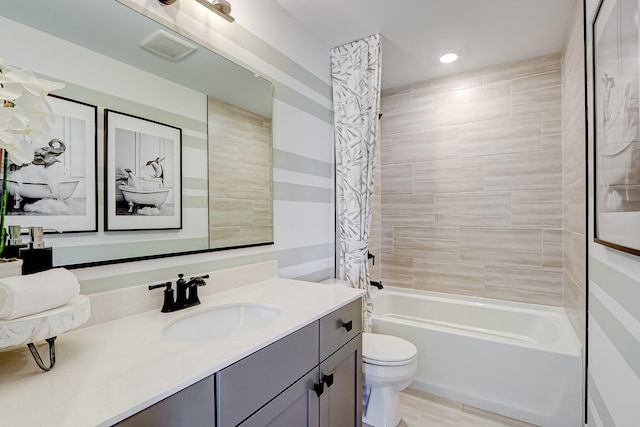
point(303, 184)
point(613, 321)
point(613, 381)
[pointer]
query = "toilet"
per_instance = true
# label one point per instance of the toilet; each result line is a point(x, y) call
point(389, 365)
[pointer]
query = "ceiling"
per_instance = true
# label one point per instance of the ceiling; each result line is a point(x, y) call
point(417, 32)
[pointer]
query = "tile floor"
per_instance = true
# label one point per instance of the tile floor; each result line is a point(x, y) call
point(426, 410)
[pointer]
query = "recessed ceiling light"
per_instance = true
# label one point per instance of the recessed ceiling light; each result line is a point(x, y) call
point(448, 58)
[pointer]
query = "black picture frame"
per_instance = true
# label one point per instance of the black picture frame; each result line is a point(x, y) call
point(143, 174)
point(616, 125)
point(58, 189)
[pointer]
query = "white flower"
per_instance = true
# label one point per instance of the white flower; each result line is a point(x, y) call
point(15, 83)
point(19, 149)
point(25, 114)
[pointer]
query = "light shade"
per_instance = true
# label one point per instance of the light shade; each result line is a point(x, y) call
point(448, 58)
point(220, 7)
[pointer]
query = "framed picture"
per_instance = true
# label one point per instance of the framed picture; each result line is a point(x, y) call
point(57, 190)
point(143, 174)
point(616, 69)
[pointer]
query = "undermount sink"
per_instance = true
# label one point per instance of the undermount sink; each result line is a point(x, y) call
point(222, 321)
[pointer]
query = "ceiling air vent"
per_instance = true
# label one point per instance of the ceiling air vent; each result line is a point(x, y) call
point(167, 45)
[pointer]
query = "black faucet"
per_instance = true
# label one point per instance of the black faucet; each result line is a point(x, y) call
point(182, 286)
point(192, 286)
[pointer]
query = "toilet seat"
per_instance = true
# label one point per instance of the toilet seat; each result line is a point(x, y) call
point(387, 350)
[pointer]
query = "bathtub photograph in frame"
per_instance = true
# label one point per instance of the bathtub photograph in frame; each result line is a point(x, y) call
point(57, 190)
point(143, 174)
point(616, 91)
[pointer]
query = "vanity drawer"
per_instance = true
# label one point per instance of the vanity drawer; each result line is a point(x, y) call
point(337, 328)
point(250, 383)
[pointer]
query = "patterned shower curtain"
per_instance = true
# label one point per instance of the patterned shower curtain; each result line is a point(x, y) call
point(356, 72)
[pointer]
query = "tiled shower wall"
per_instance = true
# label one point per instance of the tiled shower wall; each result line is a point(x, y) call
point(574, 179)
point(471, 184)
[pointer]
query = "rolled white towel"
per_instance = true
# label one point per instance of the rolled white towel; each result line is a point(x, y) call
point(24, 295)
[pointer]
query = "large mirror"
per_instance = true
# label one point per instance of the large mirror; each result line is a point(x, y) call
point(115, 59)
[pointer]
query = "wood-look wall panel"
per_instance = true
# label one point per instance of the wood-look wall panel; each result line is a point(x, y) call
point(537, 208)
point(500, 136)
point(448, 176)
point(475, 183)
point(520, 247)
point(473, 210)
point(537, 285)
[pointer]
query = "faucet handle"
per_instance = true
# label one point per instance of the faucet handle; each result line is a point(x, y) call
point(168, 304)
point(166, 285)
point(193, 284)
point(198, 280)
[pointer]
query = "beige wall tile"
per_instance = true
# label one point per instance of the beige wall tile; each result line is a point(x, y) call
point(431, 144)
point(575, 252)
point(467, 181)
point(531, 285)
point(418, 207)
point(426, 242)
point(575, 303)
point(397, 271)
point(551, 142)
point(449, 176)
point(397, 179)
point(500, 136)
point(493, 245)
point(522, 68)
point(451, 83)
point(408, 116)
point(574, 131)
point(458, 277)
point(551, 122)
point(473, 210)
point(524, 171)
point(536, 81)
point(473, 104)
point(552, 248)
point(537, 208)
point(575, 207)
point(536, 101)
point(385, 151)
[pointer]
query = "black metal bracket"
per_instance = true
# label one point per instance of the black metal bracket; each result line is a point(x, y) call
point(371, 256)
point(52, 354)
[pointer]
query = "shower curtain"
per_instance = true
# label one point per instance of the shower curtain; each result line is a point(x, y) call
point(355, 77)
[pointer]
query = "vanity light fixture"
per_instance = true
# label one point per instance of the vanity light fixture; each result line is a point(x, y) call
point(221, 7)
point(448, 58)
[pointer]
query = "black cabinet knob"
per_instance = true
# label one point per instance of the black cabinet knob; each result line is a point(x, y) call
point(328, 380)
point(318, 388)
point(348, 325)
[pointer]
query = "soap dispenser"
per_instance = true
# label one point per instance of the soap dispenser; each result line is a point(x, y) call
point(36, 257)
point(14, 242)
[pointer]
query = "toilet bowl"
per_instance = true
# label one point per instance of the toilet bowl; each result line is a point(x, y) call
point(389, 365)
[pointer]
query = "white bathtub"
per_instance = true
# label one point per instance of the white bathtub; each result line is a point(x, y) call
point(520, 360)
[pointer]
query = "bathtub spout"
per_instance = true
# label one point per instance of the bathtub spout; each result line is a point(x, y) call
point(376, 284)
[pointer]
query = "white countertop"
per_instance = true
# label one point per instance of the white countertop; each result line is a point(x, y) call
point(107, 372)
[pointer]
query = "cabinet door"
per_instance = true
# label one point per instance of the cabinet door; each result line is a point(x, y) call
point(191, 407)
point(249, 384)
point(341, 402)
point(297, 406)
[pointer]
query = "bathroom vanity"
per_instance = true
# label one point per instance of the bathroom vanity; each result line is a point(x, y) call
point(303, 368)
point(310, 377)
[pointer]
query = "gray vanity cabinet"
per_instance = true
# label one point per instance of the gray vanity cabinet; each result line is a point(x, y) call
point(191, 407)
point(271, 387)
point(340, 402)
